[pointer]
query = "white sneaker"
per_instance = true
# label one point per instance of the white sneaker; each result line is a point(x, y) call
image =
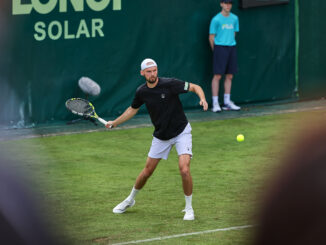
point(122, 207)
point(216, 108)
point(231, 107)
point(189, 214)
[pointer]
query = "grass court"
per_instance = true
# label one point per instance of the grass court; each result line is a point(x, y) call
point(81, 177)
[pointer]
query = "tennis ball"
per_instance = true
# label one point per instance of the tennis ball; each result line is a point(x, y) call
point(240, 138)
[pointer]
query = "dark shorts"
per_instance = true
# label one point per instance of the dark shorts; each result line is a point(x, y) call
point(225, 60)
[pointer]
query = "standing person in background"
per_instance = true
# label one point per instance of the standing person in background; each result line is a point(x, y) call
point(222, 33)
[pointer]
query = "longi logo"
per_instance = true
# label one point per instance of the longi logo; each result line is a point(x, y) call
point(60, 29)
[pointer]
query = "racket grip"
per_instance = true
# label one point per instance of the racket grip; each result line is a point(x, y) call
point(102, 121)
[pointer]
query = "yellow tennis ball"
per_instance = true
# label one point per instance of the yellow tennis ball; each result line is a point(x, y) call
point(240, 138)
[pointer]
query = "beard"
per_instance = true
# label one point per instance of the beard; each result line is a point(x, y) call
point(152, 79)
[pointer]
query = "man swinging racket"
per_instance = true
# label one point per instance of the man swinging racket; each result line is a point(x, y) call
point(161, 97)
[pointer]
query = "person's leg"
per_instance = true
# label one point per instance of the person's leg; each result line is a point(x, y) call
point(183, 146)
point(228, 104)
point(227, 88)
point(219, 67)
point(215, 88)
point(215, 84)
point(232, 68)
point(160, 149)
point(184, 166)
point(228, 83)
point(150, 166)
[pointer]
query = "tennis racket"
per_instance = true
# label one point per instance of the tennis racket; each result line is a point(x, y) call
point(83, 108)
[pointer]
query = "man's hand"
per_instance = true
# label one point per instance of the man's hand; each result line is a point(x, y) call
point(110, 124)
point(204, 104)
point(129, 113)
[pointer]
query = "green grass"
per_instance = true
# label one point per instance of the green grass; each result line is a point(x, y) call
point(82, 177)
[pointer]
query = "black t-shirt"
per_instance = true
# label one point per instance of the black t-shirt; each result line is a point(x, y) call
point(164, 106)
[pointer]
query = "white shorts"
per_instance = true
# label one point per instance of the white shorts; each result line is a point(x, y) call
point(183, 144)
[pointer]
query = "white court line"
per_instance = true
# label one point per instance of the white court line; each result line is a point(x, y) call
point(185, 234)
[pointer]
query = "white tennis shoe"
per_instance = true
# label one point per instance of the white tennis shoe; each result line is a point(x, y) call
point(189, 214)
point(216, 107)
point(123, 206)
point(231, 107)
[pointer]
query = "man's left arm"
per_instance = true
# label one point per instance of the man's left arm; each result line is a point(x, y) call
point(199, 91)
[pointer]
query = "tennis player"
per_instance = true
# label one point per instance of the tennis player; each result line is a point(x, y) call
point(161, 97)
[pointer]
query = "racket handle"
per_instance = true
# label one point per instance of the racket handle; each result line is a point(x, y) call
point(102, 121)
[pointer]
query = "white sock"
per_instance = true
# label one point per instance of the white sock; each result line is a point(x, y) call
point(227, 98)
point(133, 194)
point(188, 201)
point(215, 100)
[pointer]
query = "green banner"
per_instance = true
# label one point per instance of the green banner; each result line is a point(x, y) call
point(48, 45)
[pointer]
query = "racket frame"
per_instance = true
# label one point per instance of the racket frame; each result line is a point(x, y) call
point(91, 114)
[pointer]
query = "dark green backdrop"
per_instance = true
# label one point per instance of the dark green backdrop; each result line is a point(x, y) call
point(38, 76)
point(312, 52)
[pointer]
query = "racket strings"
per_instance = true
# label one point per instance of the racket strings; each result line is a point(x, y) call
point(79, 106)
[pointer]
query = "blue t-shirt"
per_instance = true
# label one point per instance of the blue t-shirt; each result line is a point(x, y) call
point(223, 28)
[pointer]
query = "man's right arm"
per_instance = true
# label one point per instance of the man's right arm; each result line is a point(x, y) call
point(128, 114)
point(211, 39)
